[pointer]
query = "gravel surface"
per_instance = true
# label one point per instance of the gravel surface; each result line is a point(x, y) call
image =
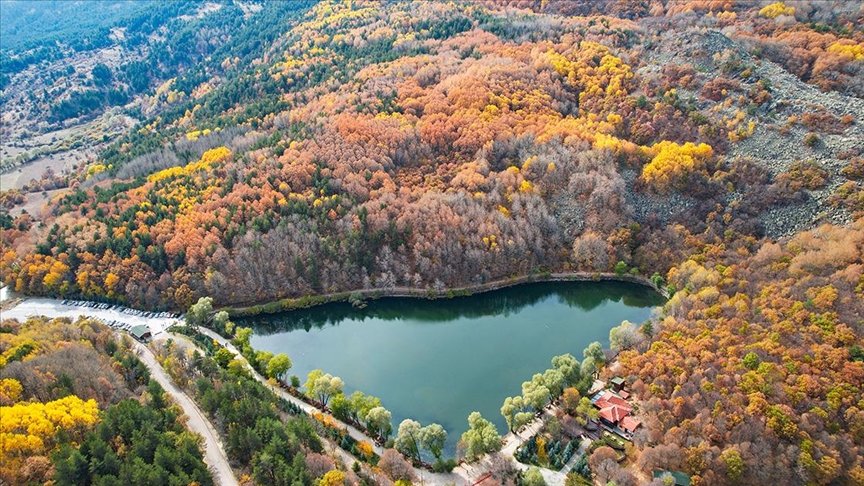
point(214, 455)
point(643, 205)
point(776, 151)
point(54, 308)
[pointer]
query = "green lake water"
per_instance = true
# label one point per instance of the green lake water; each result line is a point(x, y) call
point(437, 361)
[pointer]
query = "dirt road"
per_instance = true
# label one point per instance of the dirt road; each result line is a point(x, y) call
point(214, 456)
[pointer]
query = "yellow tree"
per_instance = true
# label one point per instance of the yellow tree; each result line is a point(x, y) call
point(333, 478)
point(776, 9)
point(111, 281)
point(54, 279)
point(10, 390)
point(365, 449)
point(672, 163)
point(31, 429)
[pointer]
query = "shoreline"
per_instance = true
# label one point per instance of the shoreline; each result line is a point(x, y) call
point(312, 300)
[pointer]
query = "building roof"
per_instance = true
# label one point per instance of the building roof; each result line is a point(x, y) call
point(624, 394)
point(608, 398)
point(629, 423)
point(612, 407)
point(681, 479)
point(617, 380)
point(614, 413)
point(140, 332)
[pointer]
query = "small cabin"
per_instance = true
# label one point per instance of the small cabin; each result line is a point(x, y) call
point(617, 383)
point(141, 333)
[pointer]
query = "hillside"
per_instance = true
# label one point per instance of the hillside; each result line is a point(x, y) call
point(715, 147)
point(62, 66)
point(375, 145)
point(73, 395)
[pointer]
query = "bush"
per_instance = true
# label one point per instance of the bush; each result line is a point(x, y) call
point(811, 140)
point(532, 477)
point(807, 174)
point(671, 290)
point(574, 479)
point(444, 466)
point(855, 169)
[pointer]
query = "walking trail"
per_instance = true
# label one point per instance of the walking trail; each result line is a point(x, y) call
point(214, 454)
point(464, 474)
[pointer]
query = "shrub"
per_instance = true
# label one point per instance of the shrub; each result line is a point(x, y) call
point(444, 465)
point(854, 169)
point(807, 174)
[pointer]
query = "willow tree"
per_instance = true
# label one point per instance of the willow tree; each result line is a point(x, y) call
point(481, 437)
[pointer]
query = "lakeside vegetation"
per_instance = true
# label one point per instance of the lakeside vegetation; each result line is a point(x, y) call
point(358, 298)
point(293, 153)
point(324, 392)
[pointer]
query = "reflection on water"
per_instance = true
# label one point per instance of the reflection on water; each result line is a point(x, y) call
point(578, 295)
point(439, 360)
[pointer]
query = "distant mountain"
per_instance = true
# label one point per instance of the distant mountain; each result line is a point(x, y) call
point(27, 23)
point(286, 149)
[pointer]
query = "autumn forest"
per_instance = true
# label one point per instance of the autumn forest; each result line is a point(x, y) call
point(712, 148)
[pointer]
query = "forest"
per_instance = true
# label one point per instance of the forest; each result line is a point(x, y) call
point(714, 147)
point(78, 407)
point(467, 158)
point(756, 371)
point(265, 438)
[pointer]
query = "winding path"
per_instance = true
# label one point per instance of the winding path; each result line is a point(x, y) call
point(466, 473)
point(307, 408)
point(214, 455)
point(459, 475)
point(512, 441)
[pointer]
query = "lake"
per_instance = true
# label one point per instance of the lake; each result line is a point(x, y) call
point(439, 360)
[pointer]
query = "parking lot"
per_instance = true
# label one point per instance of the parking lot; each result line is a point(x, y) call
point(118, 317)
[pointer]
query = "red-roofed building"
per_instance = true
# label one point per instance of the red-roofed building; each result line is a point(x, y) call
point(629, 424)
point(615, 413)
point(608, 399)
